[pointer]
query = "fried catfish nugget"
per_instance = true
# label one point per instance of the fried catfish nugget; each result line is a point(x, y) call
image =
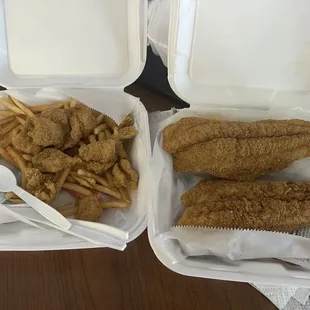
point(236, 150)
point(124, 175)
point(89, 209)
point(22, 142)
point(52, 160)
point(46, 132)
point(100, 151)
point(82, 123)
point(266, 214)
point(220, 191)
point(40, 185)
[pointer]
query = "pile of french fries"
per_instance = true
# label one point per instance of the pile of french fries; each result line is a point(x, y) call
point(77, 179)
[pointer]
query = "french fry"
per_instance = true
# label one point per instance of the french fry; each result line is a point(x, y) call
point(11, 106)
point(114, 204)
point(101, 136)
point(6, 141)
point(6, 120)
point(124, 194)
point(100, 128)
point(17, 200)
point(27, 157)
point(94, 176)
point(71, 179)
point(63, 177)
point(73, 103)
point(22, 107)
point(82, 182)
point(17, 157)
point(90, 180)
point(92, 139)
point(21, 120)
point(10, 195)
point(110, 178)
point(77, 188)
point(108, 191)
point(43, 107)
point(68, 212)
point(8, 113)
point(9, 127)
point(66, 105)
point(107, 133)
point(100, 119)
point(5, 155)
point(110, 122)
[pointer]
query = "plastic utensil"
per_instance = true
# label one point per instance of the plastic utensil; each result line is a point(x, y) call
point(104, 230)
point(8, 184)
point(88, 234)
point(17, 216)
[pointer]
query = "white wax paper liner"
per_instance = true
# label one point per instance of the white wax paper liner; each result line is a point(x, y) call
point(97, 99)
point(237, 244)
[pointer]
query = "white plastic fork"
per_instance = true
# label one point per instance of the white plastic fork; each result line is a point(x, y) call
point(89, 231)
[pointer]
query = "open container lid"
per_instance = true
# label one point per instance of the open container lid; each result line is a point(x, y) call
point(237, 53)
point(72, 43)
point(240, 52)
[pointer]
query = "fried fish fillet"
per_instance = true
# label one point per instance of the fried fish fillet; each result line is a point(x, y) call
point(219, 191)
point(273, 206)
point(267, 214)
point(236, 150)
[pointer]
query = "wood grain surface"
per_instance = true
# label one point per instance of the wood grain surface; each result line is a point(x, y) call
point(105, 279)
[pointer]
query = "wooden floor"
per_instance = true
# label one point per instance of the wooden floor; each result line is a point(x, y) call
point(106, 279)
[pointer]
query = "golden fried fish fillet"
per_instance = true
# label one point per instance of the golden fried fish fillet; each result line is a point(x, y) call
point(265, 214)
point(205, 192)
point(53, 160)
point(236, 150)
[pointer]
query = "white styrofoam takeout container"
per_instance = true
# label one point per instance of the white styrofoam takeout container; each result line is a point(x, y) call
point(90, 50)
point(236, 53)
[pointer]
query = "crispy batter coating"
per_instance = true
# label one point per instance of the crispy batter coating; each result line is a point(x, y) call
point(266, 214)
point(98, 167)
point(236, 150)
point(242, 160)
point(101, 151)
point(82, 123)
point(46, 132)
point(40, 185)
point(121, 152)
point(192, 130)
point(22, 142)
point(124, 175)
point(59, 116)
point(128, 121)
point(89, 209)
point(205, 192)
point(127, 133)
point(52, 160)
